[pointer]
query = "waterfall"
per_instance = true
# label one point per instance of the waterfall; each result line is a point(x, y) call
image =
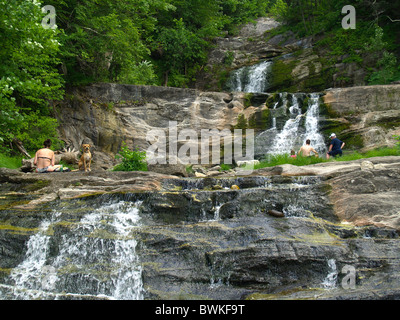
point(286, 139)
point(251, 78)
point(94, 257)
point(216, 212)
point(30, 274)
point(297, 129)
point(312, 130)
point(330, 282)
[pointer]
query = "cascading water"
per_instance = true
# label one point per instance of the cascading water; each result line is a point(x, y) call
point(287, 138)
point(81, 263)
point(330, 282)
point(297, 129)
point(251, 78)
point(29, 276)
point(293, 132)
point(291, 136)
point(312, 130)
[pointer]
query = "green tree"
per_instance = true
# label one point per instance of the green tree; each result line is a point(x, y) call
point(182, 50)
point(237, 12)
point(185, 35)
point(279, 9)
point(106, 40)
point(29, 75)
point(387, 67)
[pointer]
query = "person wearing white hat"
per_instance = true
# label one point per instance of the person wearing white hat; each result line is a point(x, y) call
point(335, 147)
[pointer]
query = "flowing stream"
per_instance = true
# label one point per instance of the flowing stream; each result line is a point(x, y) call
point(293, 135)
point(90, 252)
point(93, 257)
point(298, 127)
point(251, 78)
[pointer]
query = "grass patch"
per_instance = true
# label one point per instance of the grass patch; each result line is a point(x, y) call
point(380, 152)
point(10, 162)
point(280, 159)
point(304, 161)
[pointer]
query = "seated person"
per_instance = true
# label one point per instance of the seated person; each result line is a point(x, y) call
point(45, 159)
point(305, 151)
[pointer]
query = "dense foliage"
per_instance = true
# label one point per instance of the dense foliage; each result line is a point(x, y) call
point(157, 42)
point(28, 74)
point(162, 42)
point(373, 44)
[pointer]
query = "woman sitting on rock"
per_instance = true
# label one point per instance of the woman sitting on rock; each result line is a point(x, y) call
point(45, 160)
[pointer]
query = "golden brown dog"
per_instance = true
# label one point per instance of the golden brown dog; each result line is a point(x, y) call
point(86, 158)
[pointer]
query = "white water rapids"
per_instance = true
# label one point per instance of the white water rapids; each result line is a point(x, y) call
point(291, 137)
point(82, 263)
point(297, 129)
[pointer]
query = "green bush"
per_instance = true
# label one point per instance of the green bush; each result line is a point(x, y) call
point(225, 167)
point(37, 128)
point(398, 141)
point(140, 74)
point(132, 160)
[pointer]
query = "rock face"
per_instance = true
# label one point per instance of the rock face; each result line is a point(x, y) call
point(253, 44)
point(369, 196)
point(298, 65)
point(153, 236)
point(247, 47)
point(366, 117)
point(106, 115)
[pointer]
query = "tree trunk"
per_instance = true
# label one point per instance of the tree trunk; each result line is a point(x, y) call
point(21, 148)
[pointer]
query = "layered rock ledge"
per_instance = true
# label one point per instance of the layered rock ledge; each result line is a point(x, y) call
point(203, 242)
point(363, 192)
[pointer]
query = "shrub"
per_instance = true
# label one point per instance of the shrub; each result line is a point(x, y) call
point(132, 160)
point(398, 141)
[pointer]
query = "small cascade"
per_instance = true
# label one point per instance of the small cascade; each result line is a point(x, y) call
point(216, 211)
point(274, 118)
point(287, 138)
point(312, 129)
point(330, 282)
point(291, 126)
point(250, 78)
point(95, 257)
point(31, 274)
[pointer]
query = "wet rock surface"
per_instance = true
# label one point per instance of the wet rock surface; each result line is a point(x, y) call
point(189, 240)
